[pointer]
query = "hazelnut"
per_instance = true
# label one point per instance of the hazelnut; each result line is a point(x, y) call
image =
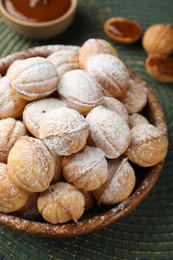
point(158, 38)
point(160, 67)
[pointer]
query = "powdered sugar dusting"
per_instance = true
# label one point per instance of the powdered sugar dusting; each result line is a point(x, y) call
point(86, 159)
point(121, 184)
point(108, 131)
point(86, 169)
point(34, 76)
point(65, 60)
point(144, 132)
point(31, 165)
point(64, 128)
point(10, 103)
point(35, 111)
point(110, 72)
point(11, 196)
point(80, 86)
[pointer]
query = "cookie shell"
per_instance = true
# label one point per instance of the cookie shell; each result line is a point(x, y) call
point(65, 60)
point(12, 198)
point(136, 119)
point(148, 146)
point(10, 130)
point(86, 169)
point(80, 91)
point(110, 72)
point(92, 47)
point(64, 131)
point(60, 203)
point(11, 105)
point(119, 184)
point(34, 78)
point(117, 106)
point(135, 98)
point(109, 131)
point(31, 165)
point(36, 110)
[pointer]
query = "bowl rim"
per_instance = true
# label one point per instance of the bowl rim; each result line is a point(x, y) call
point(62, 18)
point(102, 220)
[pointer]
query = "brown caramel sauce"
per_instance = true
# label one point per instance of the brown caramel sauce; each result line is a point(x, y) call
point(37, 10)
point(163, 64)
point(122, 30)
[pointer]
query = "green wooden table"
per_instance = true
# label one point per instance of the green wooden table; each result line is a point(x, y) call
point(147, 232)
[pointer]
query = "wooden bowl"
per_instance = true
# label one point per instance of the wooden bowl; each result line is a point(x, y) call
point(41, 30)
point(100, 216)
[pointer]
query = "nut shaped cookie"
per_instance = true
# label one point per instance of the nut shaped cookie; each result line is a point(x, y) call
point(12, 197)
point(64, 131)
point(11, 105)
point(10, 130)
point(60, 203)
point(34, 78)
point(110, 72)
point(148, 146)
point(86, 169)
point(135, 98)
point(108, 131)
point(92, 47)
point(65, 60)
point(117, 106)
point(137, 119)
point(31, 165)
point(119, 184)
point(36, 110)
point(80, 91)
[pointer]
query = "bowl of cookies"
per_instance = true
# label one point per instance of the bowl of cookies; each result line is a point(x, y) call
point(83, 139)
